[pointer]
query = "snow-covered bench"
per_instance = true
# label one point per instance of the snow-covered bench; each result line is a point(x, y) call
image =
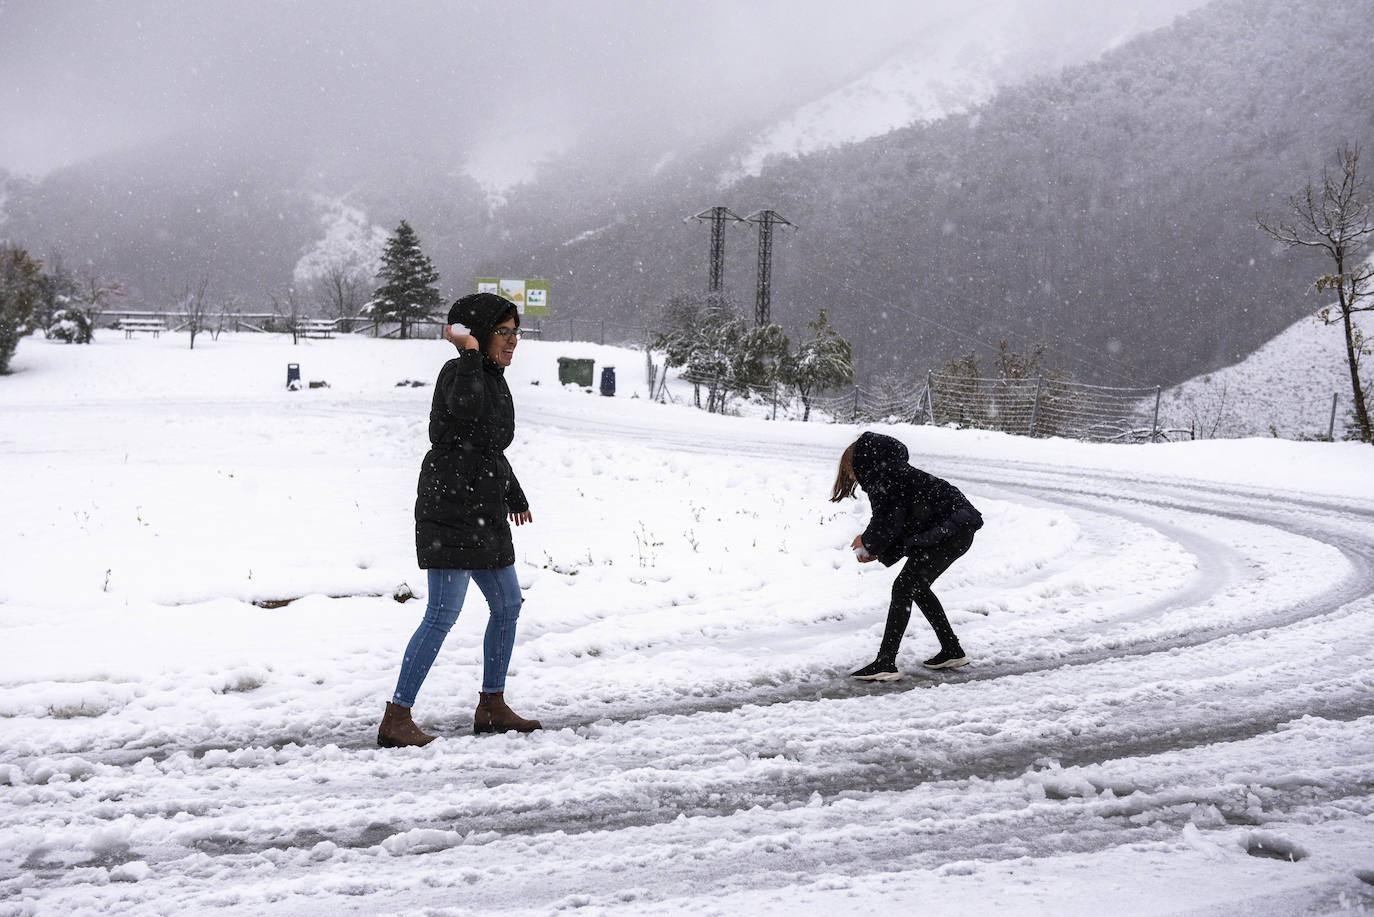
point(317, 327)
point(130, 326)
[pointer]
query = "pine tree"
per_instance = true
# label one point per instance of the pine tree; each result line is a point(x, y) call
point(19, 292)
point(702, 335)
point(407, 293)
point(825, 361)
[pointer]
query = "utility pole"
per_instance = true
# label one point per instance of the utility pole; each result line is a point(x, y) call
point(766, 220)
point(717, 216)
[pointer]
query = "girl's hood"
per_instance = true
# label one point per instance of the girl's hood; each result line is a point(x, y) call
point(874, 454)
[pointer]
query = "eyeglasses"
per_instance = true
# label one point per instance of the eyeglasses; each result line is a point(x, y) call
point(507, 334)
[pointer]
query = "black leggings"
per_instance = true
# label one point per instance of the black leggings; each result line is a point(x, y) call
point(912, 584)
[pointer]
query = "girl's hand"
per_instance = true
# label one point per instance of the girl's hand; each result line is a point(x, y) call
point(860, 552)
point(521, 518)
point(458, 339)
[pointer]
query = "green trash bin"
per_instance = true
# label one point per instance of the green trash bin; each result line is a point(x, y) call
point(574, 371)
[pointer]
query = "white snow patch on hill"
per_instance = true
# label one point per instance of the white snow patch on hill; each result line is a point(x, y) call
point(951, 68)
point(1284, 389)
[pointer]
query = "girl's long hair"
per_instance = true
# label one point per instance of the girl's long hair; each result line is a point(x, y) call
point(844, 476)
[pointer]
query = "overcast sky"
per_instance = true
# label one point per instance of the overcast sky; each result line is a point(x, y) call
point(82, 77)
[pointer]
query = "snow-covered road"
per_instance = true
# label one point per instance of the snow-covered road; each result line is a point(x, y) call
point(1171, 709)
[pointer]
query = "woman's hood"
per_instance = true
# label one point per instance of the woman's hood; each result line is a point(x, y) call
point(874, 456)
point(479, 313)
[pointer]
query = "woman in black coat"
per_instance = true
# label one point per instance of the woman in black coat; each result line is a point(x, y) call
point(916, 516)
point(466, 499)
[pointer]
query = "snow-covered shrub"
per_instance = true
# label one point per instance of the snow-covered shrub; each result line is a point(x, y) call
point(70, 325)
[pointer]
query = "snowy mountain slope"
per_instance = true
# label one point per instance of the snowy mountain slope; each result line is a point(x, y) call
point(951, 68)
point(1283, 389)
point(939, 76)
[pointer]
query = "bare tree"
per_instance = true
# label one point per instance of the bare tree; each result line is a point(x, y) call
point(290, 312)
point(1335, 218)
point(341, 292)
point(94, 295)
point(223, 316)
point(338, 269)
point(195, 308)
point(1206, 407)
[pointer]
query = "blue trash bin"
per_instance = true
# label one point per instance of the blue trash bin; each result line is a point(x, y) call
point(608, 380)
point(293, 375)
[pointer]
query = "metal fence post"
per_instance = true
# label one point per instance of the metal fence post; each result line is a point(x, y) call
point(930, 396)
point(1035, 405)
point(1331, 427)
point(1154, 423)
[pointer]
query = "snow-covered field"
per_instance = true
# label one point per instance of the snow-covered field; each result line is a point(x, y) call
point(1170, 711)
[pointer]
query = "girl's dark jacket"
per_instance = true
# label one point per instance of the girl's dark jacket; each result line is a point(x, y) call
point(912, 510)
point(467, 488)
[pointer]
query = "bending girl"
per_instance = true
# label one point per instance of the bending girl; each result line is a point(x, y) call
point(916, 516)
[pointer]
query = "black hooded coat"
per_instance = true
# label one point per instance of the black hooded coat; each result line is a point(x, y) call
point(912, 510)
point(467, 488)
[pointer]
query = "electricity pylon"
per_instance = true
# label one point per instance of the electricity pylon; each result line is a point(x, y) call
point(766, 220)
point(717, 216)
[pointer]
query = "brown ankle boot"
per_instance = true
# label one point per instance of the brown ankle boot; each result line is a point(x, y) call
point(398, 730)
point(494, 716)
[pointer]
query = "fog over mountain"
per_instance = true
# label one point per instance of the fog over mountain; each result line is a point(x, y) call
point(160, 143)
point(492, 87)
point(160, 109)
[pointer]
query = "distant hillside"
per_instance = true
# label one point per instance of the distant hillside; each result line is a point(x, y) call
point(1107, 212)
point(162, 216)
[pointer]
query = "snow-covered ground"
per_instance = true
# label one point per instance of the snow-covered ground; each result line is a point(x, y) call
point(1170, 710)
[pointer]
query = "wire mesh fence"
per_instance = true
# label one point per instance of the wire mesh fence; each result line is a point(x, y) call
point(712, 392)
point(1040, 406)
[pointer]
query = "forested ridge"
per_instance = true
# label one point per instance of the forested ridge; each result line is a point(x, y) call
point(1108, 212)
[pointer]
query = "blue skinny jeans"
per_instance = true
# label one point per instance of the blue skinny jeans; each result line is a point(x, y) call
point(446, 591)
